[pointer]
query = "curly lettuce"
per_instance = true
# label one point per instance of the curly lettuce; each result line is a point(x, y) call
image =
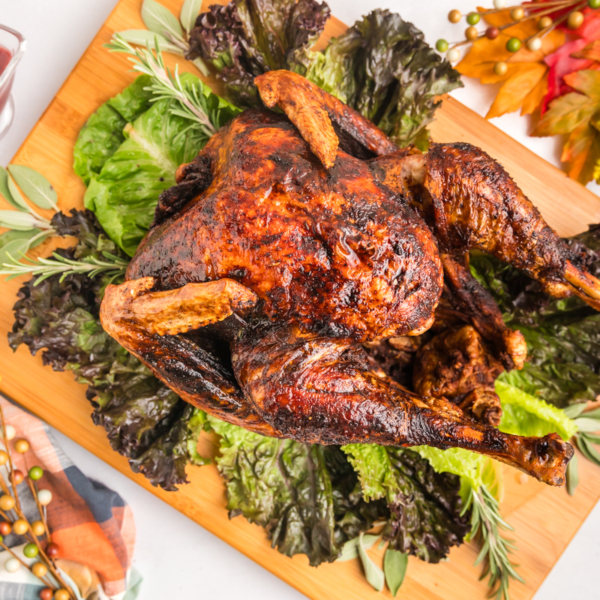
point(562, 334)
point(424, 506)
point(383, 68)
point(246, 38)
point(144, 420)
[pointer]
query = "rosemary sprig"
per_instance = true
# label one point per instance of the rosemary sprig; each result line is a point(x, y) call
point(168, 85)
point(486, 523)
point(60, 265)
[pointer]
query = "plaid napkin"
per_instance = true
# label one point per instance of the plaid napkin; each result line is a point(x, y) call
point(92, 525)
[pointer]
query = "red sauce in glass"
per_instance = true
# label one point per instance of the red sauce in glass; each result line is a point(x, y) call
point(5, 56)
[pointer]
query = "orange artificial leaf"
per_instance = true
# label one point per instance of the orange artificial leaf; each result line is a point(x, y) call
point(527, 72)
point(536, 96)
point(523, 80)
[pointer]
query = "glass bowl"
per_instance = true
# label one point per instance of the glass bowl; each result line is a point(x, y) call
point(13, 42)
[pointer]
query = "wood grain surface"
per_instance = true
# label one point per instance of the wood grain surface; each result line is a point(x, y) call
point(545, 519)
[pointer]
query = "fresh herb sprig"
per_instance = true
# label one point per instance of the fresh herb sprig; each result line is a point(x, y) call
point(486, 522)
point(394, 562)
point(586, 439)
point(168, 85)
point(26, 227)
point(43, 268)
point(169, 33)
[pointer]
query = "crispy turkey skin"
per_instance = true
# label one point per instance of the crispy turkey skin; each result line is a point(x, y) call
point(285, 250)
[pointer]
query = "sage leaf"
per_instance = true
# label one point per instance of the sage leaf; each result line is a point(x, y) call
point(592, 437)
point(4, 191)
point(593, 414)
point(17, 199)
point(13, 251)
point(19, 221)
point(587, 424)
point(588, 450)
point(574, 410)
point(572, 475)
point(35, 186)
point(189, 13)
point(394, 567)
point(143, 37)
point(373, 573)
point(160, 19)
point(9, 236)
point(350, 548)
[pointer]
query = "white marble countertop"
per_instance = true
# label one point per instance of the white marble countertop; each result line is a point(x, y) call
point(177, 558)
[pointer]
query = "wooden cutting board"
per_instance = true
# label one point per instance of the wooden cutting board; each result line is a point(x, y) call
point(545, 519)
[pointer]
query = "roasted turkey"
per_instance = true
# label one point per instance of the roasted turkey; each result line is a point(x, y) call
point(296, 237)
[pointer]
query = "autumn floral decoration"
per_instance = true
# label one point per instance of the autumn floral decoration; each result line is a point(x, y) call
point(39, 553)
point(545, 59)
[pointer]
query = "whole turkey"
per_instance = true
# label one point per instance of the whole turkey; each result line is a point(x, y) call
point(298, 235)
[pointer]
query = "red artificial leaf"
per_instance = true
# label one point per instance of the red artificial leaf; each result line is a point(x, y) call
point(562, 62)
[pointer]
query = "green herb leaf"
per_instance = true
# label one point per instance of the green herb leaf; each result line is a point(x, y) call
point(350, 548)
point(143, 37)
point(4, 191)
point(586, 424)
point(394, 567)
point(574, 410)
point(588, 449)
point(572, 475)
point(189, 13)
point(36, 187)
point(17, 199)
point(373, 573)
point(19, 221)
point(160, 19)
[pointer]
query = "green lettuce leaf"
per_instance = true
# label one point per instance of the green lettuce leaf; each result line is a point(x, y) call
point(383, 68)
point(425, 506)
point(523, 414)
point(124, 194)
point(103, 133)
point(292, 490)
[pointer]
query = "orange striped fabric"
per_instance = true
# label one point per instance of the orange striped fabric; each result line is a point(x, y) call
point(91, 524)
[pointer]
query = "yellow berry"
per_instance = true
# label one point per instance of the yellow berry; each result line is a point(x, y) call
point(471, 33)
point(534, 44)
point(7, 502)
point(500, 68)
point(38, 528)
point(62, 594)
point(21, 446)
point(20, 527)
point(39, 569)
point(575, 20)
point(454, 16)
point(544, 23)
point(10, 432)
point(516, 14)
point(3, 457)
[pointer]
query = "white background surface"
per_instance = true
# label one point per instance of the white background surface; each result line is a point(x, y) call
point(177, 558)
